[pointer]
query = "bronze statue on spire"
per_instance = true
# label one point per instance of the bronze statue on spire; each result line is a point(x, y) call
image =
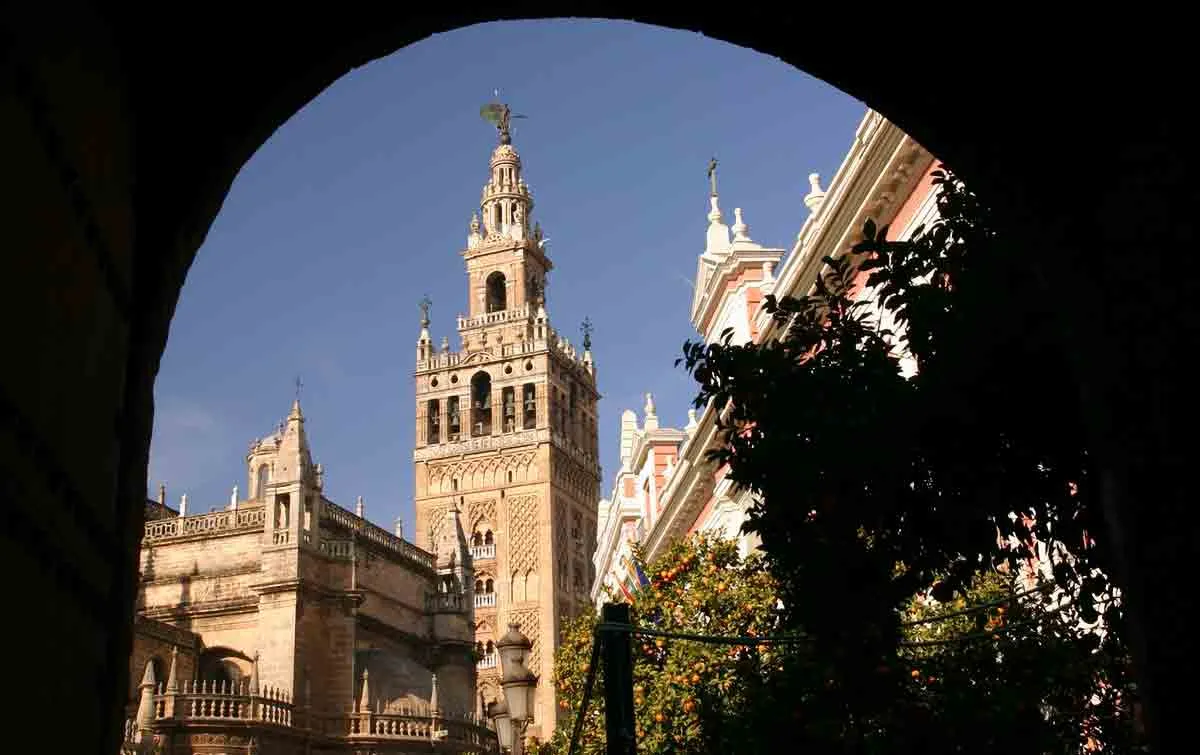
point(712, 175)
point(425, 304)
point(499, 115)
point(586, 327)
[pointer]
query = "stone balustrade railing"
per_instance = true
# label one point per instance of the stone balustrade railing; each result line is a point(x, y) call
point(230, 520)
point(493, 318)
point(487, 661)
point(459, 730)
point(211, 704)
point(483, 552)
point(485, 600)
point(377, 535)
point(215, 701)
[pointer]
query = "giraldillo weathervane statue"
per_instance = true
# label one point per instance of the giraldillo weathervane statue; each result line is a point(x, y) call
point(499, 114)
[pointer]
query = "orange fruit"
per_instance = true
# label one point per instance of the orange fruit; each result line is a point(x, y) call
point(659, 717)
point(916, 674)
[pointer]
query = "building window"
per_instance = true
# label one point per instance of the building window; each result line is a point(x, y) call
point(529, 401)
point(264, 477)
point(433, 421)
point(509, 402)
point(488, 538)
point(481, 404)
point(497, 295)
point(453, 418)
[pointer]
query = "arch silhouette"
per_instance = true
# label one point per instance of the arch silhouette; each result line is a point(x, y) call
point(1113, 178)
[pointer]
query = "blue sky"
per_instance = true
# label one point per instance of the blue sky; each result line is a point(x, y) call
point(359, 205)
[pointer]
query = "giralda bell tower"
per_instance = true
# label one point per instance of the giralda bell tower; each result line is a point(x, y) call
point(506, 431)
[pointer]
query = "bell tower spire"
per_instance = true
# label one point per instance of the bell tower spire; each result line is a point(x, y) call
point(506, 457)
point(506, 252)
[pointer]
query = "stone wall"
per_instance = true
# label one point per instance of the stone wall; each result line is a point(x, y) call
point(153, 639)
point(396, 670)
point(395, 593)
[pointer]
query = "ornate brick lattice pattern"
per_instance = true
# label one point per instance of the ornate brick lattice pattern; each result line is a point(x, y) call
point(437, 520)
point(560, 546)
point(522, 533)
point(530, 627)
point(482, 512)
point(574, 478)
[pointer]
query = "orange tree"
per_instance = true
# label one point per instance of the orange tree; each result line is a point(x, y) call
point(685, 693)
point(998, 669)
point(855, 467)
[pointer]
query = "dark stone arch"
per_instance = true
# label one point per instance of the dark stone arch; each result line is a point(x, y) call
point(1106, 231)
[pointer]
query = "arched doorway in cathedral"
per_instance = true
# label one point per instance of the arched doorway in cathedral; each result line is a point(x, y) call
point(269, 68)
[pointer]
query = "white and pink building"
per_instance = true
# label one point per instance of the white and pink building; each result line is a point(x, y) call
point(666, 489)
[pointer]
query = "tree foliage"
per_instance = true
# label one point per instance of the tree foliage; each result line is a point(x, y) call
point(871, 486)
point(685, 692)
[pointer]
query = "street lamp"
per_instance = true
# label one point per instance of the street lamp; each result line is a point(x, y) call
point(515, 712)
point(498, 712)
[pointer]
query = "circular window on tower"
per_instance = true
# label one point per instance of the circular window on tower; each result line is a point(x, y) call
point(433, 382)
point(508, 369)
point(528, 366)
point(454, 378)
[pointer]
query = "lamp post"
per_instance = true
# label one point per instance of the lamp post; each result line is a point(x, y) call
point(515, 712)
point(498, 712)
